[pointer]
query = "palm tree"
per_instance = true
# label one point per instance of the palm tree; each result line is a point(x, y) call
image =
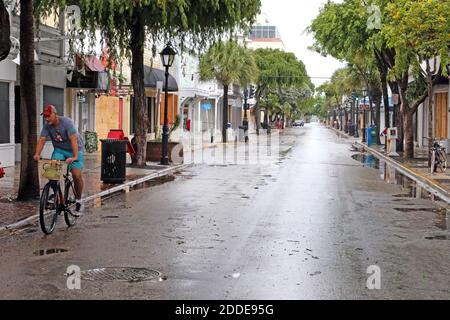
point(228, 63)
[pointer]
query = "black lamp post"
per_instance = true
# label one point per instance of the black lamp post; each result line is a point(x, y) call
point(167, 58)
point(352, 117)
point(357, 117)
point(347, 112)
point(364, 92)
point(245, 120)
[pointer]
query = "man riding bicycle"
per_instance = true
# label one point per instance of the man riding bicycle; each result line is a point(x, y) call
point(68, 147)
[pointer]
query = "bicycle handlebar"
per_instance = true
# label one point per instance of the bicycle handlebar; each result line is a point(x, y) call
point(57, 160)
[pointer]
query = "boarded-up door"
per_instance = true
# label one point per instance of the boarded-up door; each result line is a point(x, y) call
point(441, 118)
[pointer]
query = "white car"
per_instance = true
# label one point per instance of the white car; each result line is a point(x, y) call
point(298, 123)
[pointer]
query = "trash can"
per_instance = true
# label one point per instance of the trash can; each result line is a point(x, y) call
point(351, 129)
point(114, 157)
point(372, 135)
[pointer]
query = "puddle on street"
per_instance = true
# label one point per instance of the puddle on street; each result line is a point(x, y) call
point(102, 201)
point(414, 209)
point(391, 176)
point(367, 160)
point(154, 182)
point(49, 252)
point(411, 190)
point(439, 237)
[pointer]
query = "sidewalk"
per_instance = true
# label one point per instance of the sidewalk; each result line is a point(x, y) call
point(13, 211)
point(417, 167)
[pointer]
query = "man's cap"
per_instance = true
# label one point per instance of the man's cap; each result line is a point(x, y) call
point(48, 110)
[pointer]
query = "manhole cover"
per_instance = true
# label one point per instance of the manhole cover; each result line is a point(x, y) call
point(120, 274)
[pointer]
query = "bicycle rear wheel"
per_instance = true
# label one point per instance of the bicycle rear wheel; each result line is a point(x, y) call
point(49, 207)
point(69, 198)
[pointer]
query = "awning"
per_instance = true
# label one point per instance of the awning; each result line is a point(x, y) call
point(94, 64)
point(152, 76)
point(89, 74)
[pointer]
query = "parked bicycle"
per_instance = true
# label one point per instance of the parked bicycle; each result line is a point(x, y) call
point(53, 202)
point(438, 158)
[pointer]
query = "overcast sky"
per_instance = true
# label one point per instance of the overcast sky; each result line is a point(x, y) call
point(292, 17)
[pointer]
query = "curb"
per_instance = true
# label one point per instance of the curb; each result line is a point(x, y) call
point(121, 187)
point(429, 184)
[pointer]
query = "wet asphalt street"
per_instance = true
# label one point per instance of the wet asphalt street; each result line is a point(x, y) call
point(304, 223)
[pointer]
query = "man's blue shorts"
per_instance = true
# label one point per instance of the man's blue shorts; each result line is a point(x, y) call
point(62, 155)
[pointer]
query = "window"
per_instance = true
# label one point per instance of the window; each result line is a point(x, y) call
point(4, 113)
point(264, 32)
point(54, 96)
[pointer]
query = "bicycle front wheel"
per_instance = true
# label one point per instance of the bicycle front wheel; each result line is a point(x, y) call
point(49, 208)
point(69, 198)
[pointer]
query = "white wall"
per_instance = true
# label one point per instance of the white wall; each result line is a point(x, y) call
point(8, 74)
point(52, 77)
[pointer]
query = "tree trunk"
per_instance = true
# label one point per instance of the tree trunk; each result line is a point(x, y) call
point(384, 88)
point(137, 79)
point(258, 110)
point(409, 135)
point(378, 119)
point(225, 113)
point(345, 121)
point(257, 117)
point(430, 111)
point(398, 116)
point(407, 118)
point(29, 177)
point(5, 29)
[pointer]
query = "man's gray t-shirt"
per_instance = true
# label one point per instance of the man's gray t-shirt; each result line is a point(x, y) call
point(60, 134)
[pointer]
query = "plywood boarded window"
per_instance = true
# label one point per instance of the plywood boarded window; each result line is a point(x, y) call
point(171, 111)
point(441, 116)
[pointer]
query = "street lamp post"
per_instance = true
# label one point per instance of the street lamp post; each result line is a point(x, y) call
point(364, 92)
point(352, 118)
point(167, 58)
point(357, 117)
point(245, 120)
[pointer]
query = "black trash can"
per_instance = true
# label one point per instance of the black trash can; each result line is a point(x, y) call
point(114, 160)
point(351, 129)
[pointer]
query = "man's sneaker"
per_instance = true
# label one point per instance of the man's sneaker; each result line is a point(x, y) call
point(79, 209)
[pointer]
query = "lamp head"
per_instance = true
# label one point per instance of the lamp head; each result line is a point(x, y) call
point(167, 56)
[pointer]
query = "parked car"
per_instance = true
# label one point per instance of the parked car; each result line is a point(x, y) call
point(298, 123)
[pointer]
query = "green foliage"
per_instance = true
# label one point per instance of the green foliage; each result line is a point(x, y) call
point(340, 30)
point(191, 22)
point(419, 30)
point(280, 69)
point(283, 85)
point(228, 63)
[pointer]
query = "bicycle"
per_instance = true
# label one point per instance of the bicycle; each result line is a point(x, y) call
point(438, 158)
point(52, 201)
